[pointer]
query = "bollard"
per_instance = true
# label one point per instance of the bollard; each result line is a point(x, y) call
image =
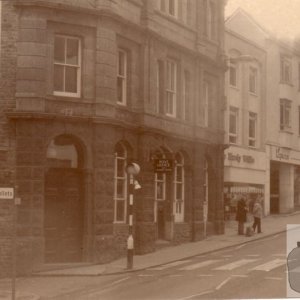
point(130, 247)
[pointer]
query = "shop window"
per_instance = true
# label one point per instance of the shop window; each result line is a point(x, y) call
point(233, 125)
point(285, 114)
point(186, 96)
point(253, 80)
point(171, 90)
point(179, 188)
point(67, 66)
point(285, 70)
point(252, 129)
point(120, 184)
point(122, 77)
point(233, 74)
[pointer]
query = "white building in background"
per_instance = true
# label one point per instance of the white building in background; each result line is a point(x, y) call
point(262, 115)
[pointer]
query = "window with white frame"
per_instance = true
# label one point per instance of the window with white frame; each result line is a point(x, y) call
point(171, 92)
point(170, 7)
point(159, 86)
point(285, 114)
point(252, 129)
point(233, 74)
point(67, 66)
point(233, 125)
point(285, 69)
point(122, 77)
point(211, 20)
point(206, 96)
point(120, 184)
point(253, 80)
point(186, 96)
point(178, 206)
point(299, 120)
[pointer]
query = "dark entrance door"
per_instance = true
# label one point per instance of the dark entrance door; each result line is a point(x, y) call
point(63, 215)
point(161, 220)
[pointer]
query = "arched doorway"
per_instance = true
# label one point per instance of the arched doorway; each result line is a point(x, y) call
point(64, 209)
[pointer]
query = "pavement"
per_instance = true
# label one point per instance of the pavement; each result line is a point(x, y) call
point(271, 225)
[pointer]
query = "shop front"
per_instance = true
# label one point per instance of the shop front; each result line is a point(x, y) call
point(284, 179)
point(244, 176)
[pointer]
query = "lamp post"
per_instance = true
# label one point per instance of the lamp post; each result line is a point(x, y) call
point(132, 170)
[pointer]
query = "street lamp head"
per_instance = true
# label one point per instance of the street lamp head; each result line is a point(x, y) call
point(133, 169)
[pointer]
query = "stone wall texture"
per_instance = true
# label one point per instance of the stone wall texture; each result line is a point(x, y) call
point(31, 116)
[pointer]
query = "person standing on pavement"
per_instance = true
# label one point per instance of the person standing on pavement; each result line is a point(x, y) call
point(257, 214)
point(241, 215)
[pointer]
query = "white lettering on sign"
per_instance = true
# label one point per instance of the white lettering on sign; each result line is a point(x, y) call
point(6, 193)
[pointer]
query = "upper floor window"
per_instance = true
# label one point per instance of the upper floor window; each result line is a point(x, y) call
point(186, 95)
point(179, 188)
point(67, 66)
point(285, 114)
point(205, 103)
point(159, 86)
point(171, 88)
point(253, 80)
point(233, 74)
point(211, 20)
point(170, 7)
point(298, 76)
point(233, 125)
point(299, 120)
point(252, 129)
point(120, 183)
point(285, 69)
point(122, 77)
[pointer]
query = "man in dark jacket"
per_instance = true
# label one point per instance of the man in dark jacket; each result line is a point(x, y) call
point(241, 215)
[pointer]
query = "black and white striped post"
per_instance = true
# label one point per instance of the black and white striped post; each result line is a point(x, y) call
point(132, 170)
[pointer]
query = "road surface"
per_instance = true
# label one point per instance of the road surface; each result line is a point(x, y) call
point(254, 270)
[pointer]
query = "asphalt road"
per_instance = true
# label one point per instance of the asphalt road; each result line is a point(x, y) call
point(254, 270)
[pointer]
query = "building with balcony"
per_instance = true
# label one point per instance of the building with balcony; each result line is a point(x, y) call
point(262, 115)
point(88, 86)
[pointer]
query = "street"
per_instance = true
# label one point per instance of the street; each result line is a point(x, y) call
point(254, 270)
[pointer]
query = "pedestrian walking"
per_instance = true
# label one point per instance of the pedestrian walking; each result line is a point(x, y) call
point(241, 215)
point(257, 214)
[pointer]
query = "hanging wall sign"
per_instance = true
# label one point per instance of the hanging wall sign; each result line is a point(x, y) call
point(163, 165)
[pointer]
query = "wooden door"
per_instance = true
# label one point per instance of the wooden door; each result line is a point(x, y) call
point(63, 215)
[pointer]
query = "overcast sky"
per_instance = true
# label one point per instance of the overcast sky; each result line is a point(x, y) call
point(282, 17)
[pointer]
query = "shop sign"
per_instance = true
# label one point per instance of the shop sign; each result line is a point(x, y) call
point(163, 165)
point(245, 158)
point(6, 193)
point(282, 154)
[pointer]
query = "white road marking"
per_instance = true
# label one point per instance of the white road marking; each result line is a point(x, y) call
point(235, 264)
point(241, 276)
point(196, 295)
point(108, 287)
point(253, 255)
point(270, 265)
point(225, 256)
point(198, 265)
point(172, 264)
point(240, 246)
point(273, 278)
point(175, 275)
point(205, 275)
point(145, 275)
point(223, 283)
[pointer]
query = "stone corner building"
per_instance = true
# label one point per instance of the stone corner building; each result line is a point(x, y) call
point(87, 86)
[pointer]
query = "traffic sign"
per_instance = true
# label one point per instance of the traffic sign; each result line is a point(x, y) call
point(6, 193)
